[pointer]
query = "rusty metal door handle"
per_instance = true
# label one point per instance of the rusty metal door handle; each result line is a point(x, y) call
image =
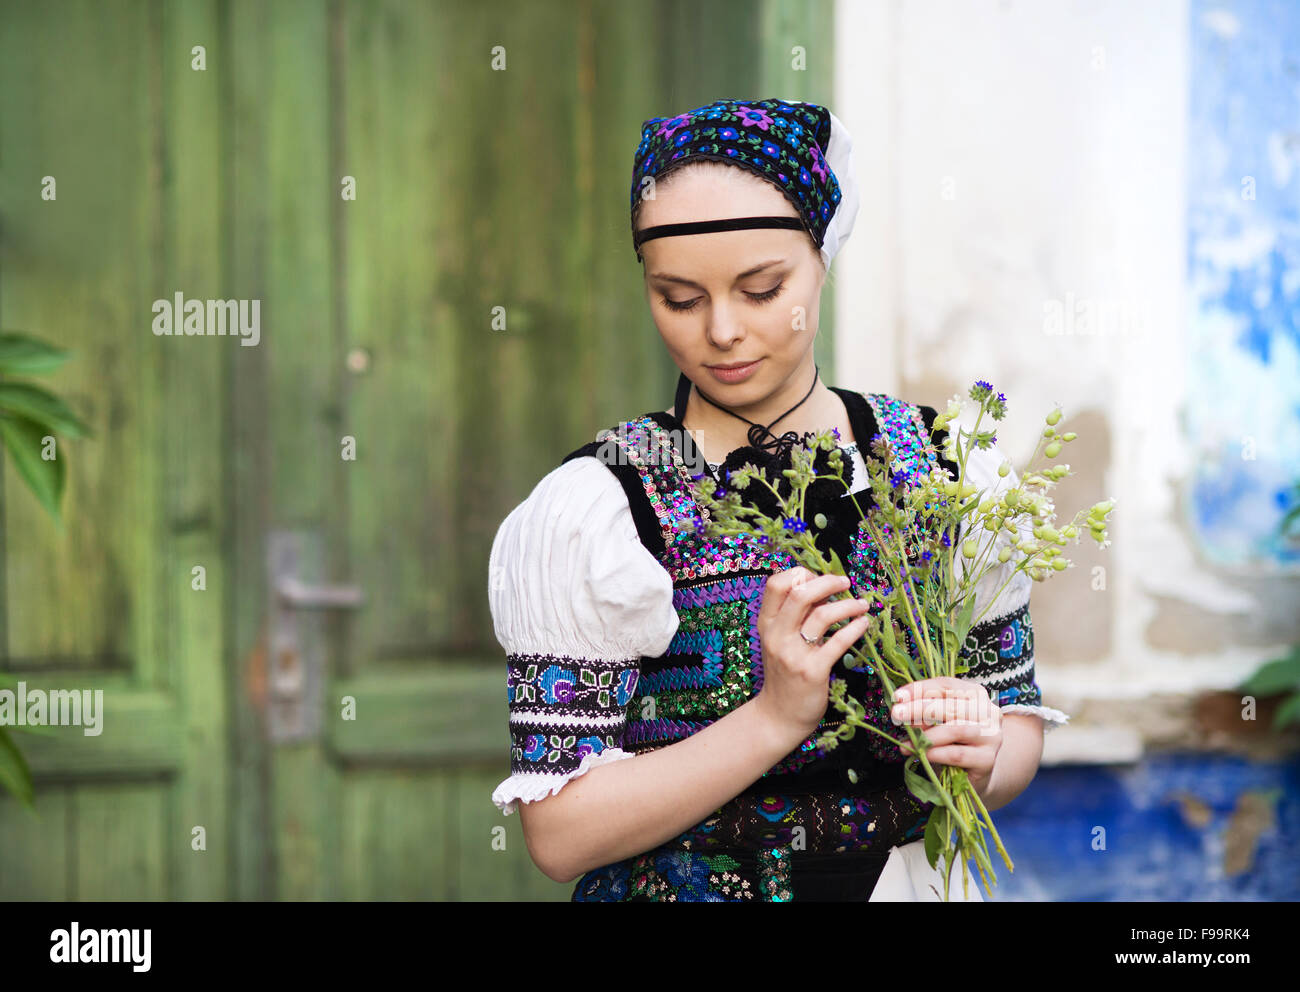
point(297, 636)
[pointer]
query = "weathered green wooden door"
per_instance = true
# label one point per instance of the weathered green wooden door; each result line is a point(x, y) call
point(428, 201)
point(114, 602)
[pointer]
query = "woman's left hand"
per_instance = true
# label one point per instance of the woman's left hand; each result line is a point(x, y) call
point(961, 720)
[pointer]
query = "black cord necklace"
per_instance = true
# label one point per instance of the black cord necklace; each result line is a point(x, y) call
point(779, 445)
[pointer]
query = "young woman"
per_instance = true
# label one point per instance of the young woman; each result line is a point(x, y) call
point(632, 635)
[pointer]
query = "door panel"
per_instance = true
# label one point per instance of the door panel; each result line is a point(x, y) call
point(482, 196)
point(109, 603)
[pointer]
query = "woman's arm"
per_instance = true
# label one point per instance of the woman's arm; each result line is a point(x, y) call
point(624, 808)
point(1017, 760)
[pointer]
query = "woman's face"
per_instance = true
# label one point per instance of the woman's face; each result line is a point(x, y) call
point(729, 297)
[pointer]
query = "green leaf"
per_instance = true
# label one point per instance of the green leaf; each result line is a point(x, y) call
point(837, 564)
point(964, 618)
point(24, 439)
point(1288, 712)
point(24, 355)
point(15, 776)
point(1278, 675)
point(41, 406)
point(888, 642)
point(934, 838)
point(920, 786)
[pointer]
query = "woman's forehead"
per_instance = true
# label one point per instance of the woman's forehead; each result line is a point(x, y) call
point(712, 193)
point(722, 255)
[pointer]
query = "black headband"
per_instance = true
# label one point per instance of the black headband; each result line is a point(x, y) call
point(707, 226)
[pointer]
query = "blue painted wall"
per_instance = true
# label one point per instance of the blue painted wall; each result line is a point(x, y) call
point(1153, 851)
point(1243, 226)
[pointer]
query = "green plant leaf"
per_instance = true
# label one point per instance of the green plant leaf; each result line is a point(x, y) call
point(919, 785)
point(21, 354)
point(24, 440)
point(15, 776)
point(41, 406)
point(836, 564)
point(1278, 675)
point(934, 838)
point(964, 619)
point(1288, 712)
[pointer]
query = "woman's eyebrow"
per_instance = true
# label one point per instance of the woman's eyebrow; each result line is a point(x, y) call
point(748, 272)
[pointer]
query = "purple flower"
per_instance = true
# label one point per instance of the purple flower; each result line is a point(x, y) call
point(749, 117)
point(819, 167)
point(673, 125)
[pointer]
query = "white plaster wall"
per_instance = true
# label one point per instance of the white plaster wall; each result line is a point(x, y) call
point(1012, 154)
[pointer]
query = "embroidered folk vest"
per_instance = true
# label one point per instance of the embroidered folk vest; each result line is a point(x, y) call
point(807, 813)
point(714, 662)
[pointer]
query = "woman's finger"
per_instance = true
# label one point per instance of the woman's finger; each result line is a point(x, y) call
point(971, 707)
point(941, 685)
point(801, 598)
point(958, 755)
point(778, 586)
point(838, 645)
point(819, 620)
point(951, 733)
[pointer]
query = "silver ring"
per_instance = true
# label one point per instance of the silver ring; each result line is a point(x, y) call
point(809, 640)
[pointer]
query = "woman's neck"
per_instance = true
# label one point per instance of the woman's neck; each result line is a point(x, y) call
point(717, 433)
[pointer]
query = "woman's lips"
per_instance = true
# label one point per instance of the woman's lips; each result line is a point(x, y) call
point(739, 374)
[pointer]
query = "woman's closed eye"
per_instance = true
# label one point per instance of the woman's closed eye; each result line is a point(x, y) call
point(764, 297)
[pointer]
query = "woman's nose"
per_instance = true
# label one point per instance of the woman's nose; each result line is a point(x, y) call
point(724, 327)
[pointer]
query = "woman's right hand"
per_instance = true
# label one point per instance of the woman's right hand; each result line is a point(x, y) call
point(796, 674)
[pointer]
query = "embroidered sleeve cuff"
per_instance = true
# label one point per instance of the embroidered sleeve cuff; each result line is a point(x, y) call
point(528, 787)
point(1051, 718)
point(1000, 656)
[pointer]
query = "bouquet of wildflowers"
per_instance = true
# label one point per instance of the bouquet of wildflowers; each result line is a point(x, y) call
point(934, 540)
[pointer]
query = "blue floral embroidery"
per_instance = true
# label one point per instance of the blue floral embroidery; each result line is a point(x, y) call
point(557, 684)
point(1012, 640)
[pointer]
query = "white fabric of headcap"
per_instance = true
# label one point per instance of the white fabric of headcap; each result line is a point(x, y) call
point(839, 156)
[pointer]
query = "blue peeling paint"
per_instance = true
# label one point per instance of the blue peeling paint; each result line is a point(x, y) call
point(1152, 851)
point(1243, 223)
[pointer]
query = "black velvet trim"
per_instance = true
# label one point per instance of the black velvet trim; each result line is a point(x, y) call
point(643, 512)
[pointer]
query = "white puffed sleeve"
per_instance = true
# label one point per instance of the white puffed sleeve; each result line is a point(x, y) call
point(1000, 648)
point(576, 601)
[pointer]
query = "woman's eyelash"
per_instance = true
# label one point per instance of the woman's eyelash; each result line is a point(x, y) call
point(763, 297)
point(770, 294)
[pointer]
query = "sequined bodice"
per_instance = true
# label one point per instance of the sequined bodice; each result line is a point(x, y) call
point(714, 662)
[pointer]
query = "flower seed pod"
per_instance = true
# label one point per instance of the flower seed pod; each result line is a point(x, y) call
point(1053, 449)
point(1004, 469)
point(1054, 417)
point(968, 548)
point(1004, 555)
